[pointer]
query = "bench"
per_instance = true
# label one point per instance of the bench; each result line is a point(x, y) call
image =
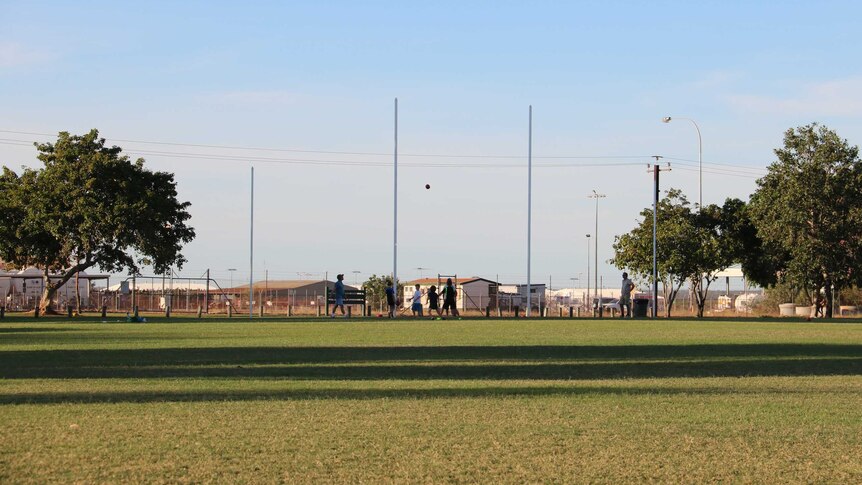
point(351, 297)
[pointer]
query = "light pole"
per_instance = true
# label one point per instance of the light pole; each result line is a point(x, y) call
point(596, 196)
point(420, 270)
point(667, 119)
point(231, 270)
point(573, 289)
point(586, 303)
point(355, 276)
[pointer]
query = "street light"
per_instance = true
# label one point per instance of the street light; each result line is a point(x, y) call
point(420, 270)
point(572, 301)
point(667, 119)
point(231, 270)
point(596, 196)
point(355, 276)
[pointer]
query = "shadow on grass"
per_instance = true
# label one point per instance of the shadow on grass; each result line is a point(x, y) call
point(454, 362)
point(144, 396)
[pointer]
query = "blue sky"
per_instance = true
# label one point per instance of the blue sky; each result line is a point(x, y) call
point(322, 76)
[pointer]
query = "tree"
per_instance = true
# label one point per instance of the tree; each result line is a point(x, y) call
point(90, 206)
point(692, 247)
point(375, 289)
point(808, 211)
point(761, 262)
point(713, 252)
point(674, 235)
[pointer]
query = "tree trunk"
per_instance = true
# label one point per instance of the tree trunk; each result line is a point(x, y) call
point(701, 292)
point(829, 293)
point(701, 297)
point(46, 305)
point(670, 297)
point(77, 292)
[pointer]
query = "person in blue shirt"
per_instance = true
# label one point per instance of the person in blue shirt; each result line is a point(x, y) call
point(390, 298)
point(339, 296)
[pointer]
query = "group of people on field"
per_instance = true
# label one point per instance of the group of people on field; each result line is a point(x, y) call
point(448, 293)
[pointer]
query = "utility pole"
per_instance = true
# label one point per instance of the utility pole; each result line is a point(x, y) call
point(656, 170)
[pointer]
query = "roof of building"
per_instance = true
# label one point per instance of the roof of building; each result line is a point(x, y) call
point(288, 284)
point(284, 284)
point(435, 281)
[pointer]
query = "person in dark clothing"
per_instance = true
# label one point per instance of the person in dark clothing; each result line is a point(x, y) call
point(339, 296)
point(390, 298)
point(433, 299)
point(449, 298)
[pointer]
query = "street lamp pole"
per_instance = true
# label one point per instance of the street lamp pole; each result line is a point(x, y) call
point(596, 196)
point(355, 276)
point(667, 119)
point(231, 270)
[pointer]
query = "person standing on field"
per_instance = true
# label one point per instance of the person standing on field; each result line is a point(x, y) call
point(433, 302)
point(449, 300)
point(339, 296)
point(626, 296)
point(390, 298)
point(417, 302)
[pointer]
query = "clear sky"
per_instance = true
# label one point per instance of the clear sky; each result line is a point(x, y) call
point(322, 77)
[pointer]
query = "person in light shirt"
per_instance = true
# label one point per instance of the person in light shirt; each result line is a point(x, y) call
point(626, 296)
point(417, 302)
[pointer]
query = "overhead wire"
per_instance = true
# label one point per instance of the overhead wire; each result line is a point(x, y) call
point(333, 152)
point(732, 169)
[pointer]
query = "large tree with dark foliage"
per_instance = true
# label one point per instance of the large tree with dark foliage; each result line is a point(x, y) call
point(808, 212)
point(88, 206)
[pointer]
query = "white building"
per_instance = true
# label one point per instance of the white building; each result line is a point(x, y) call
point(516, 296)
point(23, 288)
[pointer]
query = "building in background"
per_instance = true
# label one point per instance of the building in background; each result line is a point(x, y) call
point(474, 293)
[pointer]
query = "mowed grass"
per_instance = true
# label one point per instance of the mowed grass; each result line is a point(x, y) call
point(320, 401)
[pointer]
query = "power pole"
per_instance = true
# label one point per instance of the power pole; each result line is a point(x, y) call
point(656, 170)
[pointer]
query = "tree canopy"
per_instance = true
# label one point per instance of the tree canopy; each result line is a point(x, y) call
point(375, 288)
point(691, 247)
point(675, 240)
point(90, 205)
point(808, 211)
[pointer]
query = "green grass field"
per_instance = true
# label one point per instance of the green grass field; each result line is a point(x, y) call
point(321, 401)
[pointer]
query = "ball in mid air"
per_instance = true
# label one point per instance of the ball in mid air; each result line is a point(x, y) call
point(427, 186)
